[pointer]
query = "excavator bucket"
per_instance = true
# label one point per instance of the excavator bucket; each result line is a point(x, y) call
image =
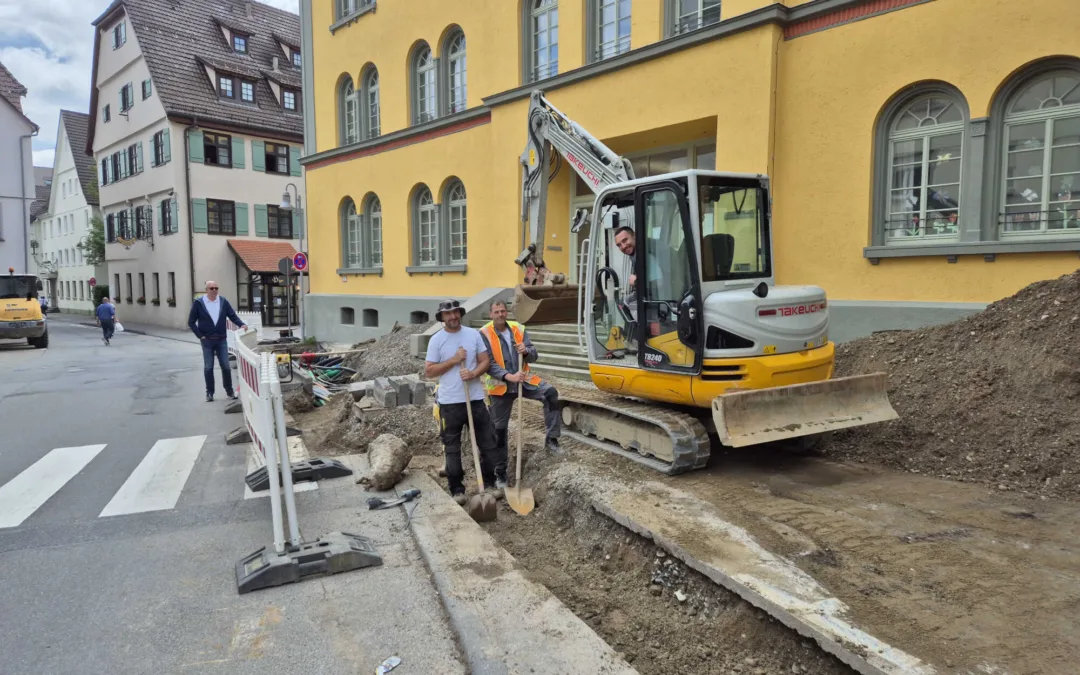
point(546, 304)
point(756, 416)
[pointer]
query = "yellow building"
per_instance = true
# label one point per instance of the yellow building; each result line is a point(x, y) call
point(925, 154)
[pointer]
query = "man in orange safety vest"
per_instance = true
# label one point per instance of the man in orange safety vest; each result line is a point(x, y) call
point(510, 351)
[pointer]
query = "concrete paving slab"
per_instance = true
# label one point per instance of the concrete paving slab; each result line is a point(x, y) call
point(505, 623)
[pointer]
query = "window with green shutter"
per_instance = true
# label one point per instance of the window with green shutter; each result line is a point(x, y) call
point(238, 153)
point(195, 147)
point(258, 156)
point(262, 221)
point(241, 218)
point(198, 215)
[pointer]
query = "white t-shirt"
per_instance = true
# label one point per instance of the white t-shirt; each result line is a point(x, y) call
point(444, 345)
point(213, 307)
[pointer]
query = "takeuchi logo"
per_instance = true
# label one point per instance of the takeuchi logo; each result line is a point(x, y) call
point(794, 310)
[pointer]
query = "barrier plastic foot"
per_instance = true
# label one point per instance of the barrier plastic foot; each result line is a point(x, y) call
point(317, 468)
point(333, 553)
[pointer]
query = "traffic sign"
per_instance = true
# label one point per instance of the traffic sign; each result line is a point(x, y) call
point(285, 265)
point(299, 261)
point(93, 281)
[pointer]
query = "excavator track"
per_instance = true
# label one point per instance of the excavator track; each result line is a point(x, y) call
point(667, 441)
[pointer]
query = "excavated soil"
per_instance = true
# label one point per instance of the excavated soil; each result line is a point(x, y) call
point(333, 429)
point(991, 398)
point(388, 355)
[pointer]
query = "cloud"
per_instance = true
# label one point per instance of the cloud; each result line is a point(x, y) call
point(48, 45)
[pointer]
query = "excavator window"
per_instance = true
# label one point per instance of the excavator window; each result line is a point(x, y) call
point(734, 231)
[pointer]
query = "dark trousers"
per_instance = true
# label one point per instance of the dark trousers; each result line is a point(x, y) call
point(214, 347)
point(107, 328)
point(454, 418)
point(503, 406)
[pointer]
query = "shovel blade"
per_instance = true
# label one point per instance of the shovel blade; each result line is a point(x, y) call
point(482, 508)
point(520, 500)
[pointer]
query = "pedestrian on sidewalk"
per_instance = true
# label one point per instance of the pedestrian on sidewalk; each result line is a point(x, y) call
point(457, 357)
point(511, 351)
point(207, 321)
point(106, 315)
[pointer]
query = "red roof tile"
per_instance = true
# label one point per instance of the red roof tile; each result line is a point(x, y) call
point(261, 256)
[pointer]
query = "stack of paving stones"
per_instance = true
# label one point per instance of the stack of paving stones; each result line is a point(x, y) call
point(391, 392)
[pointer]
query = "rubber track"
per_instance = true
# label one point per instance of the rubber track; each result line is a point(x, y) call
point(689, 439)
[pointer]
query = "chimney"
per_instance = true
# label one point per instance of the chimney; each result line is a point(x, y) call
point(274, 61)
point(247, 7)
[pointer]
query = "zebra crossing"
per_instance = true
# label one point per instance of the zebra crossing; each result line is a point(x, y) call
point(156, 484)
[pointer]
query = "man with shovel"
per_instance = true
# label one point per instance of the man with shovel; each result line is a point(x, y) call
point(510, 351)
point(457, 357)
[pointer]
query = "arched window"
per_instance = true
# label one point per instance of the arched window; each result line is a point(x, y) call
point(347, 112)
point(425, 86)
point(1041, 162)
point(457, 218)
point(350, 235)
point(541, 30)
point(372, 229)
point(925, 152)
point(455, 54)
point(426, 224)
point(684, 16)
point(370, 107)
point(609, 22)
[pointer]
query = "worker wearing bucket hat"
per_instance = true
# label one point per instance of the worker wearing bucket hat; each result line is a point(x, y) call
point(456, 355)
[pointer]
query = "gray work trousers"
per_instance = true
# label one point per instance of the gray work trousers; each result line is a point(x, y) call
point(503, 406)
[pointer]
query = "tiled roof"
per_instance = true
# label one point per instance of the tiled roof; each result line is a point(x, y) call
point(10, 88)
point(174, 34)
point(40, 204)
point(283, 77)
point(261, 256)
point(77, 124)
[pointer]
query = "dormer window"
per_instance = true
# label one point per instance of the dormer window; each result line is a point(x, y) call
point(239, 44)
point(119, 35)
point(247, 92)
point(296, 58)
point(288, 99)
point(225, 87)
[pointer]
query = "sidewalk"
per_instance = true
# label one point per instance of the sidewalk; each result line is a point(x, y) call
point(164, 332)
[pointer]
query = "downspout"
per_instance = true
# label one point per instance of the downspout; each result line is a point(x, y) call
point(190, 216)
point(22, 201)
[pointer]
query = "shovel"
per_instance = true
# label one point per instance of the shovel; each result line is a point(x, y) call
point(480, 506)
point(520, 499)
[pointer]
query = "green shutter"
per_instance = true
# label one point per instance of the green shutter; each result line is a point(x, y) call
point(262, 223)
point(294, 161)
point(238, 153)
point(148, 88)
point(195, 147)
point(258, 156)
point(298, 224)
point(241, 218)
point(161, 216)
point(138, 158)
point(167, 151)
point(198, 215)
point(175, 216)
point(124, 169)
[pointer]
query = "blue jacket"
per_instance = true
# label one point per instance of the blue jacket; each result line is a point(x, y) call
point(199, 320)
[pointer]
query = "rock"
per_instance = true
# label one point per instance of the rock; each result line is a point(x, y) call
point(760, 671)
point(656, 590)
point(750, 661)
point(680, 596)
point(1018, 512)
point(389, 456)
point(660, 554)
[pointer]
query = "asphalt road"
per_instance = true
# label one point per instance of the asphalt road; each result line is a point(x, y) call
point(122, 514)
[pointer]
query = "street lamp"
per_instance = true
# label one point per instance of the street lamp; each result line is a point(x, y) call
point(287, 206)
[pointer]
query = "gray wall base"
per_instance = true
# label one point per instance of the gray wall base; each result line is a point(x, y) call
point(323, 315)
point(853, 319)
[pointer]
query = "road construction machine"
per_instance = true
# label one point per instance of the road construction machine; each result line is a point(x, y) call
point(678, 307)
point(20, 311)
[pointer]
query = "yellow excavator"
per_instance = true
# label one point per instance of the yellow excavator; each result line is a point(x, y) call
point(686, 331)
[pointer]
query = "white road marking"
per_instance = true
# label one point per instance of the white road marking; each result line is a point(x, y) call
point(24, 494)
point(156, 484)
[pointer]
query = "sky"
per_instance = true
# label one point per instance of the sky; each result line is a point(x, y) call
point(48, 45)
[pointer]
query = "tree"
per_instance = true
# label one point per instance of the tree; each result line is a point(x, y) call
point(93, 246)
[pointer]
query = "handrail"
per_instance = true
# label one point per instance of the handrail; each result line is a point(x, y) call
point(583, 265)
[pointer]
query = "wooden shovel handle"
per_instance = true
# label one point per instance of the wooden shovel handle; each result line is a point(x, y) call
point(472, 439)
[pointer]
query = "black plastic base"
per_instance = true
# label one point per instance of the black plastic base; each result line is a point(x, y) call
point(330, 554)
point(313, 469)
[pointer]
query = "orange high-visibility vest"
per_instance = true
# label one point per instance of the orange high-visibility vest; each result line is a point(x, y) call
point(498, 387)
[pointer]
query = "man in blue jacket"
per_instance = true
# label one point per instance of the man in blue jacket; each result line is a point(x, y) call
point(207, 321)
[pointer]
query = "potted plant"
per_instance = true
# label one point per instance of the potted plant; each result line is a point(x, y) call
point(128, 299)
point(116, 299)
point(141, 300)
point(156, 302)
point(171, 302)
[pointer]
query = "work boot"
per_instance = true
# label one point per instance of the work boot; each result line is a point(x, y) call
point(497, 493)
point(232, 396)
point(209, 398)
point(552, 446)
point(500, 483)
point(460, 498)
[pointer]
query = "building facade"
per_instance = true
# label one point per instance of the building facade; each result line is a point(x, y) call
point(61, 231)
point(17, 185)
point(196, 130)
point(914, 184)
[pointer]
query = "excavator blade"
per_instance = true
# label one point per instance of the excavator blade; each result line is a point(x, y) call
point(546, 304)
point(762, 415)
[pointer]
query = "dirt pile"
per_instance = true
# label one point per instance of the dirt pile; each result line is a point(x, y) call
point(388, 355)
point(413, 424)
point(991, 398)
point(298, 402)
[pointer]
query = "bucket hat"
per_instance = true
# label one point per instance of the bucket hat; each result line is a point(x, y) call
point(447, 305)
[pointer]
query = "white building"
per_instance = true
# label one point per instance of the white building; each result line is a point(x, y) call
point(63, 228)
point(16, 174)
point(196, 130)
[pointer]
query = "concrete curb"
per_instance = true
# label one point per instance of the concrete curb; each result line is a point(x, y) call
point(504, 622)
